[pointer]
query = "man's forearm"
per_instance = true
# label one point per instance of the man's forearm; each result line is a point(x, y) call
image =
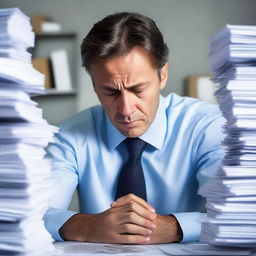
point(74, 229)
point(129, 220)
point(167, 230)
point(127, 224)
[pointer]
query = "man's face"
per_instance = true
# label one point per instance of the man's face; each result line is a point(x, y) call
point(128, 88)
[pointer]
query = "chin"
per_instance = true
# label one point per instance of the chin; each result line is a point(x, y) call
point(132, 133)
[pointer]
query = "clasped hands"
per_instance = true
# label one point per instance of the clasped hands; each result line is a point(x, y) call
point(129, 220)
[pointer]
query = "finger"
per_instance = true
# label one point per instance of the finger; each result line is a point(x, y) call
point(129, 228)
point(136, 208)
point(140, 210)
point(131, 197)
point(134, 218)
point(133, 239)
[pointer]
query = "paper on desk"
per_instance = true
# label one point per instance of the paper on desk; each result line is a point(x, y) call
point(82, 248)
point(230, 46)
point(25, 187)
point(231, 194)
point(237, 171)
point(11, 110)
point(200, 249)
point(10, 35)
point(26, 130)
point(16, 84)
point(9, 52)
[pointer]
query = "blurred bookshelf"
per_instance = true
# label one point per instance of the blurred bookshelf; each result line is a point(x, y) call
point(59, 92)
point(57, 103)
point(50, 35)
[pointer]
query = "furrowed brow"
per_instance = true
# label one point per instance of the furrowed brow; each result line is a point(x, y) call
point(137, 86)
point(108, 88)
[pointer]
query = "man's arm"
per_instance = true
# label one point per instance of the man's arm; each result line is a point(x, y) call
point(209, 153)
point(167, 228)
point(130, 220)
point(65, 177)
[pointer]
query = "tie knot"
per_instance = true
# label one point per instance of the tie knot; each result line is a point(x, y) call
point(135, 147)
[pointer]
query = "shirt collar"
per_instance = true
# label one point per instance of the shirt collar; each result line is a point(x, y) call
point(114, 137)
point(158, 126)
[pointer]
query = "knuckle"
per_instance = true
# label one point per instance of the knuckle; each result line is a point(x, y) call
point(131, 196)
point(147, 232)
point(147, 223)
point(131, 205)
point(131, 216)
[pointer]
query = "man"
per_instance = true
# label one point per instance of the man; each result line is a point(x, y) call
point(127, 60)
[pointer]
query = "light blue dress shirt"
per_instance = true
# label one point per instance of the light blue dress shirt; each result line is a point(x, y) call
point(183, 150)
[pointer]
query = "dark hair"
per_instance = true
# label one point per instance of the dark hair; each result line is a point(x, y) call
point(117, 34)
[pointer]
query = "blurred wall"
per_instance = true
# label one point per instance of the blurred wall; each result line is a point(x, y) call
point(187, 25)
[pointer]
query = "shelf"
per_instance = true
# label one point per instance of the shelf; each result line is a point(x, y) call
point(50, 92)
point(56, 35)
point(45, 45)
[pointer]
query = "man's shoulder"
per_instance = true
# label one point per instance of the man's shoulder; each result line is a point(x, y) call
point(191, 113)
point(85, 119)
point(188, 105)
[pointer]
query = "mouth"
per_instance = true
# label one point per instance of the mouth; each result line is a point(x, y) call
point(129, 124)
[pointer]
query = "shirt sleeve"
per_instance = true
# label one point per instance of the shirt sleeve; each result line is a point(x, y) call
point(190, 223)
point(210, 151)
point(64, 175)
point(208, 157)
point(54, 219)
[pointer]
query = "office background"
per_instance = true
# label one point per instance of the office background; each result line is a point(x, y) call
point(187, 26)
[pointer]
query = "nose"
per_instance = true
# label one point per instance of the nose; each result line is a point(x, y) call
point(126, 104)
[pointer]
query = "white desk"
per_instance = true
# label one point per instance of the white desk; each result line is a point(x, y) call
point(92, 249)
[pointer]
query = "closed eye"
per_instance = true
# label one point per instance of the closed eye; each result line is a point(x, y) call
point(135, 91)
point(111, 92)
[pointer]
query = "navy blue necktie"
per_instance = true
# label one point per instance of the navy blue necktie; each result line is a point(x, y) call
point(131, 178)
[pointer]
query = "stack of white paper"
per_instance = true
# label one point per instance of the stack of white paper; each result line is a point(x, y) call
point(231, 194)
point(24, 172)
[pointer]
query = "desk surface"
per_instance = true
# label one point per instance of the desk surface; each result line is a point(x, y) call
point(86, 249)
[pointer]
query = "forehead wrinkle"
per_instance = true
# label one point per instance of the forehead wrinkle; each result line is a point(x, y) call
point(121, 83)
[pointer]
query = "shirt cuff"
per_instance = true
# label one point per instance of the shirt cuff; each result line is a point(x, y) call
point(190, 223)
point(54, 220)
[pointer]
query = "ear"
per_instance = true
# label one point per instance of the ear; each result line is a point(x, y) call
point(163, 76)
